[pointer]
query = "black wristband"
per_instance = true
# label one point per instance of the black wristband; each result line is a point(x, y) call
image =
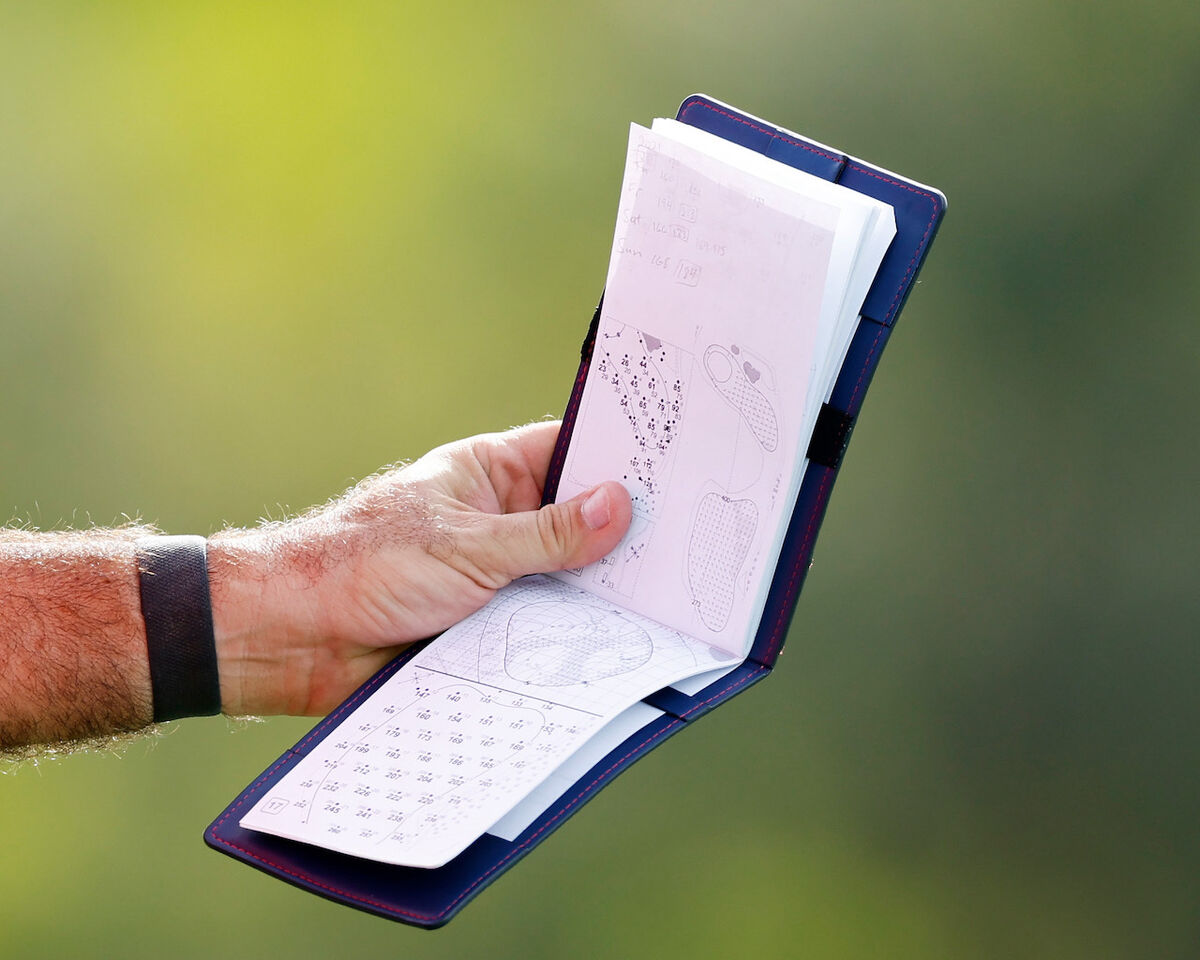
point(177, 610)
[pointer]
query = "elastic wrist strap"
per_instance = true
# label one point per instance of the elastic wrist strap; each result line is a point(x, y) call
point(177, 609)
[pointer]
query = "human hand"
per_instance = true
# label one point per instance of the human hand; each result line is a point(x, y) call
point(306, 610)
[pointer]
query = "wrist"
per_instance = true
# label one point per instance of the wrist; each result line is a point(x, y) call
point(258, 624)
point(177, 614)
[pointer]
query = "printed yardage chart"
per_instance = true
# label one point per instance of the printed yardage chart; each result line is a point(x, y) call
point(458, 736)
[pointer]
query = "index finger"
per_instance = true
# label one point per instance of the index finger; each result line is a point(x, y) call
point(517, 462)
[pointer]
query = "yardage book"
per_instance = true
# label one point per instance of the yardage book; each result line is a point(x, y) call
point(754, 278)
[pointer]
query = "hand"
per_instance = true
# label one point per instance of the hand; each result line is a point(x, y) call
point(306, 610)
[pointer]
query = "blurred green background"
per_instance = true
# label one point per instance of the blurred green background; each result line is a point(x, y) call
point(250, 252)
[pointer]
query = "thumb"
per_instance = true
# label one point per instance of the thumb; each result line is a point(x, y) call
point(573, 533)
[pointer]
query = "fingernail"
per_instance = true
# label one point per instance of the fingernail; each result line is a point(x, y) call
point(596, 509)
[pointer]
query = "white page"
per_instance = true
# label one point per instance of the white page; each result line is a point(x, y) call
point(694, 684)
point(721, 288)
point(474, 723)
point(865, 231)
point(615, 732)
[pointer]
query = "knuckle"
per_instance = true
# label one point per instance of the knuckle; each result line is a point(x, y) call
point(555, 530)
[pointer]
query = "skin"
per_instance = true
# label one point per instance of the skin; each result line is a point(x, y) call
point(304, 610)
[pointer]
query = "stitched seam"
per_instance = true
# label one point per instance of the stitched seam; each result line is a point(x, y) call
point(774, 134)
point(797, 570)
point(305, 878)
point(572, 412)
point(809, 532)
point(912, 264)
point(716, 696)
point(862, 374)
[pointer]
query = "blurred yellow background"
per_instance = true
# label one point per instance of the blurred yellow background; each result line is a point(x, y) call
point(250, 252)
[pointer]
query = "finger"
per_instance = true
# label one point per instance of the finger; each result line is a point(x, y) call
point(558, 536)
point(516, 463)
point(535, 442)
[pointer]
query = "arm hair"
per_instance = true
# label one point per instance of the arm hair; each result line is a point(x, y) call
point(73, 660)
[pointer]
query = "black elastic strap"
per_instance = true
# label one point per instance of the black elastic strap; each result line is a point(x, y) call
point(830, 437)
point(177, 609)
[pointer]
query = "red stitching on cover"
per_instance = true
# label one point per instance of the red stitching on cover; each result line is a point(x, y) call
point(777, 632)
point(723, 691)
point(797, 569)
point(324, 886)
point(573, 411)
point(862, 374)
point(775, 134)
point(559, 456)
point(933, 209)
point(856, 166)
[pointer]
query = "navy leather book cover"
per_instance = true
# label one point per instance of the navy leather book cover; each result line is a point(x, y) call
point(430, 898)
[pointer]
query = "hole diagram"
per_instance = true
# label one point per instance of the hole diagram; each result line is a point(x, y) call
point(646, 376)
point(722, 534)
point(556, 644)
point(619, 570)
point(543, 633)
point(737, 377)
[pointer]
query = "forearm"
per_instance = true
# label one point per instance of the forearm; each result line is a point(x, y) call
point(72, 644)
point(302, 611)
point(73, 655)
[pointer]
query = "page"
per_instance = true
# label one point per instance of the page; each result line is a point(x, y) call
point(725, 289)
point(864, 233)
point(567, 775)
point(475, 722)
